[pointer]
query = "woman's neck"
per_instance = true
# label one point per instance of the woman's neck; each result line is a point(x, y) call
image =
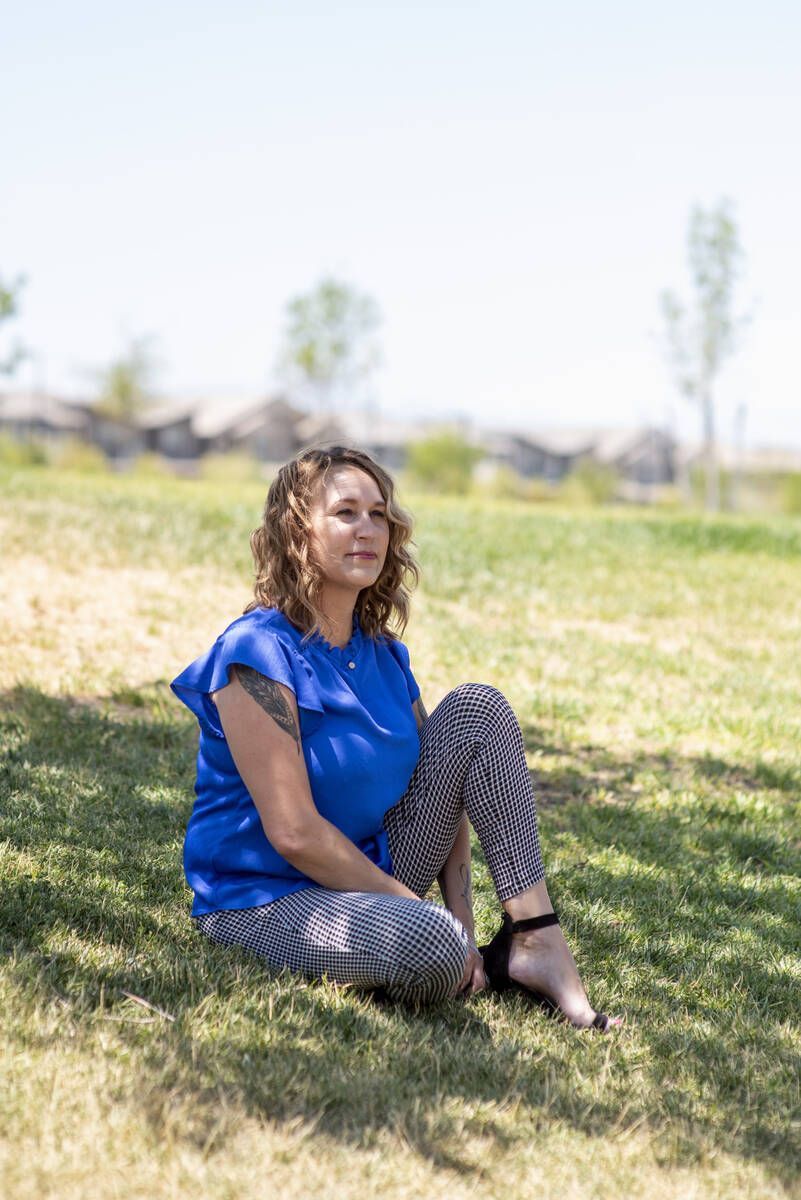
point(337, 623)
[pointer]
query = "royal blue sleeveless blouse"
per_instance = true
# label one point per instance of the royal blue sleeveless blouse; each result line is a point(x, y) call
point(359, 740)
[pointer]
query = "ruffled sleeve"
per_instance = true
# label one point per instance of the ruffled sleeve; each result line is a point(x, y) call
point(254, 642)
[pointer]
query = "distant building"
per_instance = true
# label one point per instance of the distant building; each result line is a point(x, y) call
point(548, 456)
point(169, 430)
point(35, 414)
point(385, 438)
point(179, 430)
point(266, 429)
point(643, 456)
point(185, 430)
point(272, 430)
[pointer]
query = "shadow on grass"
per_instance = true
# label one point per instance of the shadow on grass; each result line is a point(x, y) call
point(93, 806)
point(588, 768)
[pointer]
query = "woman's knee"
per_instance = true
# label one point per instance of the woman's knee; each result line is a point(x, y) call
point(477, 699)
point(438, 948)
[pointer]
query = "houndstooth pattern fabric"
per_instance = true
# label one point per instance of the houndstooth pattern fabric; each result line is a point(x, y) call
point(414, 949)
point(471, 760)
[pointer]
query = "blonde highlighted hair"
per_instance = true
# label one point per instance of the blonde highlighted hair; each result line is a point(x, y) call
point(287, 577)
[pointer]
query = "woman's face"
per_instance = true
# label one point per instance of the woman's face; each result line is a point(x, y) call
point(349, 530)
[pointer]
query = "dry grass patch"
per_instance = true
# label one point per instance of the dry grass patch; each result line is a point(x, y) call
point(97, 629)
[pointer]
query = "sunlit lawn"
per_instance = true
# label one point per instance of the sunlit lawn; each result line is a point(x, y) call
point(654, 663)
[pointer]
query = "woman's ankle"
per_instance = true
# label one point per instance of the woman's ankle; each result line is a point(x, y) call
point(533, 902)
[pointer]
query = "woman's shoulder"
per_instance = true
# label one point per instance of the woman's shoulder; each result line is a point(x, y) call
point(263, 621)
point(388, 644)
point(392, 650)
point(262, 638)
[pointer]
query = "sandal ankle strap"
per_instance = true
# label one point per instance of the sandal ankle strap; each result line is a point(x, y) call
point(531, 922)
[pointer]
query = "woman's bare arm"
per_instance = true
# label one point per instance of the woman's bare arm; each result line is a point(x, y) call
point(260, 721)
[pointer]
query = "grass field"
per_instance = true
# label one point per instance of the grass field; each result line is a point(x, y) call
point(654, 663)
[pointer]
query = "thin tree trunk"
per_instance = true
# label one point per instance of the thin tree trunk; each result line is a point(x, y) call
point(739, 452)
point(710, 454)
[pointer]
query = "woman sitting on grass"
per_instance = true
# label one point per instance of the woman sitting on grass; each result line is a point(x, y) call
point(328, 801)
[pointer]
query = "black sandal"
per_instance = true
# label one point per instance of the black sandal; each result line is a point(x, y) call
point(496, 968)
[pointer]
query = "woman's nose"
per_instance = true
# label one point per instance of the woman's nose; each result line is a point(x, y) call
point(365, 527)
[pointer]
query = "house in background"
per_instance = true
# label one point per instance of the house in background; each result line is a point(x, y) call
point(549, 456)
point(183, 431)
point(271, 429)
point(266, 429)
point(385, 438)
point(27, 415)
point(168, 429)
point(641, 457)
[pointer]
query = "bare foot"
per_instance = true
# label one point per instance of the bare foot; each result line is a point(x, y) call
point(541, 959)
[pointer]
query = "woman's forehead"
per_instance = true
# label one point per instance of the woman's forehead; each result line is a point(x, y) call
point(346, 481)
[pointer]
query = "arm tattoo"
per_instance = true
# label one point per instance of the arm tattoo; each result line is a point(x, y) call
point(268, 696)
point(464, 875)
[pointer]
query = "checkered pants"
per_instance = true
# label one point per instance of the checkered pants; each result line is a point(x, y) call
point(471, 760)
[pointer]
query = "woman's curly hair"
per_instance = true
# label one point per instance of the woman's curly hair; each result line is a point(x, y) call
point(287, 577)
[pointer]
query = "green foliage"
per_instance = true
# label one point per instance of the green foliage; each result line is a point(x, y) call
point(700, 338)
point(791, 493)
point(506, 484)
point(16, 453)
point(232, 467)
point(501, 484)
point(589, 483)
point(81, 457)
point(125, 385)
point(443, 462)
point(9, 306)
point(329, 339)
point(538, 491)
point(150, 466)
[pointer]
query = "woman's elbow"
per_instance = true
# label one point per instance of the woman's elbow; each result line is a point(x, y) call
point(292, 841)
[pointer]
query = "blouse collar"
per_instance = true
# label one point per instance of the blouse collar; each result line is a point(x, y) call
point(340, 652)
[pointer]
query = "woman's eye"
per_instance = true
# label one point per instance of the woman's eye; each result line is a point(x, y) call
point(379, 512)
point(344, 512)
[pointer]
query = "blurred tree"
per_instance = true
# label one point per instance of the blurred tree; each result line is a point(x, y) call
point(443, 462)
point(9, 299)
point(590, 482)
point(701, 337)
point(125, 385)
point(791, 493)
point(329, 341)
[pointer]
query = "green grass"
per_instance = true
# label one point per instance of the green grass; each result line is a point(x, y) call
point(653, 661)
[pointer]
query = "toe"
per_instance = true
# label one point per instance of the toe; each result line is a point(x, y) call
point(604, 1023)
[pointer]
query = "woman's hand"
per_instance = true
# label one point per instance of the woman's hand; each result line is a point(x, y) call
point(473, 980)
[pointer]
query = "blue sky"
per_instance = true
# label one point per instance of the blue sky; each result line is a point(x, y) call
point(511, 181)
